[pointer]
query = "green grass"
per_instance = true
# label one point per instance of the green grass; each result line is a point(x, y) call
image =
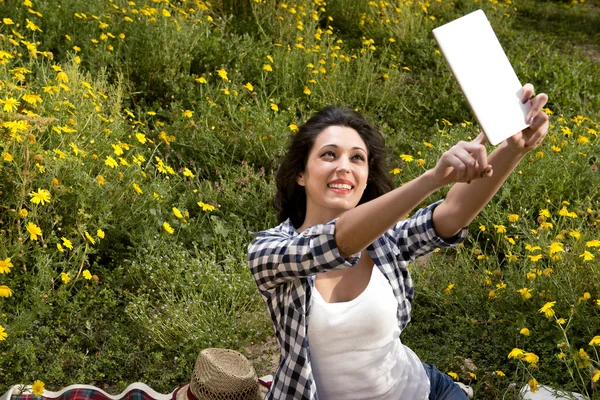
point(135, 72)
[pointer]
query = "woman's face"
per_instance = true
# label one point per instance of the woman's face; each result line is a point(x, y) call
point(336, 174)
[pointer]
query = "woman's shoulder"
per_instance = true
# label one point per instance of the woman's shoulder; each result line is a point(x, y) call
point(284, 229)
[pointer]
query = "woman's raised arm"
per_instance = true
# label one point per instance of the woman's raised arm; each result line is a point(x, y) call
point(465, 201)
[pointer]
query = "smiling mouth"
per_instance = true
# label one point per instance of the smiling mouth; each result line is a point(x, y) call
point(340, 186)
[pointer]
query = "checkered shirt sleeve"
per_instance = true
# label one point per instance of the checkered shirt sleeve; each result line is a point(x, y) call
point(280, 254)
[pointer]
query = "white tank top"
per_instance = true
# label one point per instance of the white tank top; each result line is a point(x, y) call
point(355, 348)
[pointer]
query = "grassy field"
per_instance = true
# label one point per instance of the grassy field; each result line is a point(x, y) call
point(138, 143)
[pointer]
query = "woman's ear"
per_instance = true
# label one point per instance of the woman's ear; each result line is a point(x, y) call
point(300, 179)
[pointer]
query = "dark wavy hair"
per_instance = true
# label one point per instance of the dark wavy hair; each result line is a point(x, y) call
point(290, 199)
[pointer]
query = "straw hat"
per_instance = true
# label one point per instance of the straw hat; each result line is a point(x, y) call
point(221, 374)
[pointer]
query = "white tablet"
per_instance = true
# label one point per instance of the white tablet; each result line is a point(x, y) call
point(484, 75)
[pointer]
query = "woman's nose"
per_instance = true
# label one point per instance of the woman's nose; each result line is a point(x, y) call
point(343, 165)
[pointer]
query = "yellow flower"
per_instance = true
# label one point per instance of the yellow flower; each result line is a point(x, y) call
point(137, 188)
point(188, 173)
point(575, 234)
point(67, 243)
point(595, 341)
point(267, 67)
point(62, 77)
point(561, 321)
point(32, 26)
point(516, 353)
point(582, 140)
point(547, 309)
point(531, 358)
point(64, 276)
point(206, 207)
point(10, 104)
point(3, 334)
point(525, 332)
point(166, 13)
point(5, 266)
point(492, 294)
point(32, 98)
point(482, 228)
point(565, 213)
point(307, 91)
point(533, 385)
point(8, 21)
point(177, 213)
point(449, 288)
point(531, 275)
point(406, 158)
point(7, 157)
point(110, 162)
point(100, 233)
point(5, 291)
point(582, 359)
point(500, 228)
point(41, 196)
point(420, 162)
point(596, 376)
point(23, 212)
point(201, 80)
point(89, 237)
point(293, 127)
point(592, 243)
point(188, 113)
point(544, 213)
point(37, 388)
point(34, 231)
point(87, 275)
point(118, 150)
point(513, 218)
point(453, 375)
point(500, 373)
point(472, 375)
point(167, 228)
point(100, 179)
point(587, 256)
point(396, 171)
point(525, 292)
point(555, 247)
point(223, 74)
point(274, 107)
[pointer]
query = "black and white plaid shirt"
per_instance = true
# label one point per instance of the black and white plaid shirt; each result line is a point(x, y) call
point(284, 263)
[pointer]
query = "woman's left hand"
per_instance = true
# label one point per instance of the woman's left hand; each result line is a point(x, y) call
point(531, 137)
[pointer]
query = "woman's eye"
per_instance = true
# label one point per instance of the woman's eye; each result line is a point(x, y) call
point(359, 157)
point(328, 154)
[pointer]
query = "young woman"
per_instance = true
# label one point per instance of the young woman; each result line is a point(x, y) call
point(334, 273)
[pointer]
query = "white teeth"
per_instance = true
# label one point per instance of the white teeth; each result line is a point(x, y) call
point(342, 186)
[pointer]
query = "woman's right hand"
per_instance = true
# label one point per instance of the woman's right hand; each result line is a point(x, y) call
point(463, 162)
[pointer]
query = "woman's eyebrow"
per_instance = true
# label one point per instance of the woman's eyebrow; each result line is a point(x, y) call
point(337, 146)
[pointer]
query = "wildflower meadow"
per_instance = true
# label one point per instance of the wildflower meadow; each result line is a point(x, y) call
point(138, 144)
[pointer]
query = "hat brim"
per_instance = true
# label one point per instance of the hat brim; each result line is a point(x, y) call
point(181, 393)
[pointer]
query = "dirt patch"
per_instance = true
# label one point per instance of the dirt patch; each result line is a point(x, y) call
point(264, 356)
point(592, 51)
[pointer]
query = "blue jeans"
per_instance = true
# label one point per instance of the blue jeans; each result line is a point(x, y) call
point(442, 386)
